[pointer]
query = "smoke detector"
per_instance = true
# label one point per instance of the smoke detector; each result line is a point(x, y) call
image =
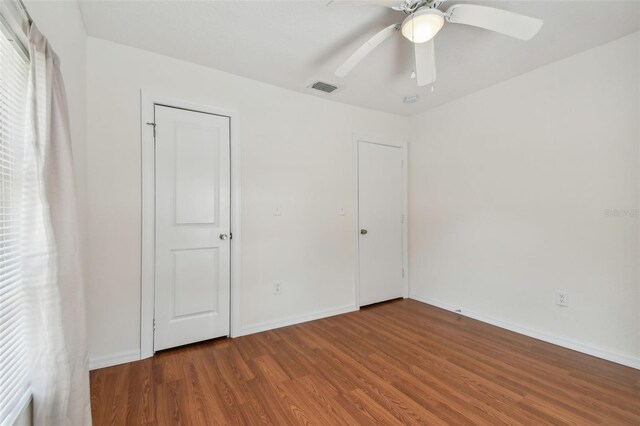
point(412, 99)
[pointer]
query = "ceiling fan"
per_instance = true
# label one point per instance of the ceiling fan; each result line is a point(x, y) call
point(424, 20)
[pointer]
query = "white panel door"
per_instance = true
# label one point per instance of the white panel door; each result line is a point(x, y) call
point(380, 222)
point(192, 262)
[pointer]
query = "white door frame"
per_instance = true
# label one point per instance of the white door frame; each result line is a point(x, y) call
point(148, 102)
point(357, 138)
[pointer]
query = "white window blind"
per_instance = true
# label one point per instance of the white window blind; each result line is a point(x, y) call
point(14, 383)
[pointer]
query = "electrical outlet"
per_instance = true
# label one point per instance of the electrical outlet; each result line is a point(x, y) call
point(277, 211)
point(562, 298)
point(277, 287)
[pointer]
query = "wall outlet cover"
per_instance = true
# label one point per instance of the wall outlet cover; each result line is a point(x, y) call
point(562, 298)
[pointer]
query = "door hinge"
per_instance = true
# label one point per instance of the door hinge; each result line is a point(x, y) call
point(401, 164)
point(231, 235)
point(154, 324)
point(402, 218)
point(402, 272)
point(154, 128)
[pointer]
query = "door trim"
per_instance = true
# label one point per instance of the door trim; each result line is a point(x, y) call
point(148, 101)
point(403, 145)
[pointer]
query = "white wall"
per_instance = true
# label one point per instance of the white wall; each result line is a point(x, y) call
point(509, 189)
point(296, 155)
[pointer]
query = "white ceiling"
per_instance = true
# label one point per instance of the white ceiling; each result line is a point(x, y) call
point(294, 43)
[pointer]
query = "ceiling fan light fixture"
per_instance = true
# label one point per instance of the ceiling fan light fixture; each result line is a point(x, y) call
point(423, 25)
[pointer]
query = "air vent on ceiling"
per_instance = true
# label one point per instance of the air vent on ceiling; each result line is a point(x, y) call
point(323, 87)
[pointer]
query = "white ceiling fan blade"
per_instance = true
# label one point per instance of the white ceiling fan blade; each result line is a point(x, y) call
point(425, 62)
point(498, 20)
point(365, 49)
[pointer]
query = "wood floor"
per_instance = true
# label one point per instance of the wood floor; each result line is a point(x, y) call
point(402, 362)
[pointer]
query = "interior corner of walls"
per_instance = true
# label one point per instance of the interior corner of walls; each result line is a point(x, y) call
point(632, 361)
point(114, 359)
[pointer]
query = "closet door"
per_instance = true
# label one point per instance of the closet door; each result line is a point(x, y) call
point(192, 264)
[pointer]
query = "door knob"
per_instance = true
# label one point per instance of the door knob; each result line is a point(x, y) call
point(224, 236)
point(363, 231)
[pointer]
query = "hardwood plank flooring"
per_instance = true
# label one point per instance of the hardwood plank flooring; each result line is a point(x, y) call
point(401, 362)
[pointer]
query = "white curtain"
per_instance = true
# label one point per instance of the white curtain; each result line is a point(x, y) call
point(53, 279)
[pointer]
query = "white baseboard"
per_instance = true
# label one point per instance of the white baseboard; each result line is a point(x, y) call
point(264, 326)
point(629, 361)
point(114, 359)
point(129, 356)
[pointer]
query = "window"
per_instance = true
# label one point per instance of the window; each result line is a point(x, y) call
point(14, 383)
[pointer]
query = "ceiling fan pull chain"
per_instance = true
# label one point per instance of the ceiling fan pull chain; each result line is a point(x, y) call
point(415, 63)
